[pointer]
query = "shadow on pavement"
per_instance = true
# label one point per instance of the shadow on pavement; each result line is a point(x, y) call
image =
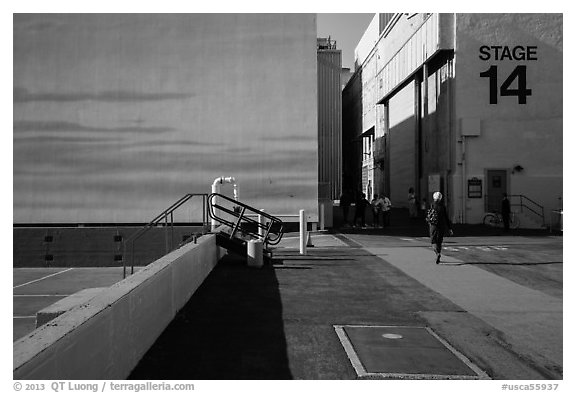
point(230, 329)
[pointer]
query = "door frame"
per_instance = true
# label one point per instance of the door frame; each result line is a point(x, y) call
point(486, 179)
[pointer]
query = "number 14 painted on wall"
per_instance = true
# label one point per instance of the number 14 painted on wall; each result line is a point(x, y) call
point(521, 91)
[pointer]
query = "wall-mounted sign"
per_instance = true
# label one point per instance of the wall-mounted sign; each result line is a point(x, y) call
point(515, 83)
point(474, 188)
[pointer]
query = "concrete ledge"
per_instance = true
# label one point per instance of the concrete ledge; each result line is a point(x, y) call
point(68, 303)
point(105, 337)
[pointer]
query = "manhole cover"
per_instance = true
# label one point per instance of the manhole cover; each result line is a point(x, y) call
point(392, 336)
point(403, 352)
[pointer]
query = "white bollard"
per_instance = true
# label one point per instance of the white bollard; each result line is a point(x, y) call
point(255, 256)
point(302, 232)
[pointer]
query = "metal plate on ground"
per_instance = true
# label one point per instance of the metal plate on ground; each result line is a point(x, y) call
point(403, 352)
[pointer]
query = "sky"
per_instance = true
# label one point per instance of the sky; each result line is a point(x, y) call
point(346, 29)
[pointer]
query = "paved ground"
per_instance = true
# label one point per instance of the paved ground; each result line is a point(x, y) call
point(496, 299)
point(37, 288)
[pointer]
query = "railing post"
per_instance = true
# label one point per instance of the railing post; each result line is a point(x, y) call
point(124, 259)
point(261, 221)
point(204, 201)
point(171, 230)
point(132, 259)
point(238, 222)
point(303, 228)
point(166, 233)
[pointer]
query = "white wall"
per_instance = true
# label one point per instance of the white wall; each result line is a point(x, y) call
point(368, 41)
point(116, 116)
point(512, 134)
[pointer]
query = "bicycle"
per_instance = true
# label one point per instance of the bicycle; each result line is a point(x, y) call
point(494, 219)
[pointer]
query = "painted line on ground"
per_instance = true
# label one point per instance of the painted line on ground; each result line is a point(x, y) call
point(43, 278)
point(40, 295)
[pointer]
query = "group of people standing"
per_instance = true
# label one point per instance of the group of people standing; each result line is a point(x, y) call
point(380, 206)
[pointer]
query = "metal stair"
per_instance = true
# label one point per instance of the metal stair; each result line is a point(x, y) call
point(166, 220)
point(241, 223)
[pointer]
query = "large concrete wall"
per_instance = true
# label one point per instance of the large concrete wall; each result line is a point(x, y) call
point(116, 116)
point(511, 134)
point(106, 337)
point(402, 148)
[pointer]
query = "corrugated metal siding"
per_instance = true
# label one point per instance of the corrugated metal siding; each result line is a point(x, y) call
point(419, 48)
point(329, 124)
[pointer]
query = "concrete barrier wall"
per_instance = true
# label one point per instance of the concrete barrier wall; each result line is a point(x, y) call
point(106, 337)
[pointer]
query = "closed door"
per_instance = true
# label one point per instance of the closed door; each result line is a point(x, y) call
point(495, 187)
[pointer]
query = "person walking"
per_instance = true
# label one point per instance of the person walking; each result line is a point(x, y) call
point(412, 206)
point(438, 223)
point(360, 211)
point(505, 211)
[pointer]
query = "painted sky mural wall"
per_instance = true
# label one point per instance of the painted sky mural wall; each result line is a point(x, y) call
point(116, 116)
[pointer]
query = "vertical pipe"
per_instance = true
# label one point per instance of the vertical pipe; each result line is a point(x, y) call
point(463, 179)
point(302, 232)
point(261, 221)
point(204, 212)
point(215, 190)
point(322, 219)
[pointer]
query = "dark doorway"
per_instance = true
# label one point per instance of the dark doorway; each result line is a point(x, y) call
point(496, 185)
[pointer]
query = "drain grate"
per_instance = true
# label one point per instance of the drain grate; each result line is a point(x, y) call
point(404, 352)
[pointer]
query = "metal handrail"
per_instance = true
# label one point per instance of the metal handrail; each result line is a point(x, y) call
point(169, 212)
point(533, 209)
point(273, 228)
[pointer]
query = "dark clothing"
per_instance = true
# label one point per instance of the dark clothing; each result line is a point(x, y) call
point(361, 204)
point(376, 213)
point(437, 231)
point(505, 210)
point(386, 218)
point(345, 209)
point(345, 202)
point(505, 206)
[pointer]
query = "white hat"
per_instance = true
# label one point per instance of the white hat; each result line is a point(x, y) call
point(437, 196)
